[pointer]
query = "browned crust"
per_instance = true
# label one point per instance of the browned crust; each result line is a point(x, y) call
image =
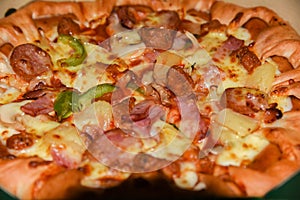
point(20, 27)
point(257, 183)
point(278, 39)
point(34, 178)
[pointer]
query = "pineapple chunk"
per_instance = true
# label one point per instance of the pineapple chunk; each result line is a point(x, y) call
point(240, 124)
point(169, 59)
point(262, 77)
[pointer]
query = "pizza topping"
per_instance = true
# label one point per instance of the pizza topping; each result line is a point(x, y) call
point(69, 101)
point(232, 43)
point(38, 91)
point(246, 101)
point(141, 110)
point(177, 74)
point(67, 26)
point(43, 105)
point(212, 26)
point(77, 56)
point(248, 59)
point(95, 92)
point(166, 97)
point(65, 103)
point(20, 141)
point(157, 38)
point(63, 158)
point(116, 71)
point(29, 61)
point(131, 15)
point(166, 19)
point(272, 114)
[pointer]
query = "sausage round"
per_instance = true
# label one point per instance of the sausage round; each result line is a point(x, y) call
point(245, 101)
point(20, 141)
point(29, 61)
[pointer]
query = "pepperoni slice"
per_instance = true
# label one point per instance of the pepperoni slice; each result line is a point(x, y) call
point(29, 61)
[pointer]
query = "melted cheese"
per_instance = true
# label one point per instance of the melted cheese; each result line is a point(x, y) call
point(284, 103)
point(241, 33)
point(99, 113)
point(240, 150)
point(64, 137)
point(8, 94)
point(172, 142)
point(212, 40)
point(188, 177)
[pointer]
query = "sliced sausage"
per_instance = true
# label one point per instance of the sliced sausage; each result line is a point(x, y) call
point(232, 43)
point(20, 141)
point(29, 61)
point(43, 105)
point(157, 38)
point(130, 15)
point(67, 26)
point(248, 59)
point(168, 19)
point(179, 82)
point(141, 110)
point(245, 101)
point(255, 26)
point(212, 26)
point(272, 114)
point(160, 34)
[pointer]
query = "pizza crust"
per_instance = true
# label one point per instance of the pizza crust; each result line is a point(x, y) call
point(278, 39)
point(34, 178)
point(20, 27)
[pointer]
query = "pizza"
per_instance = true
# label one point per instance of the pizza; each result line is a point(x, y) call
point(196, 98)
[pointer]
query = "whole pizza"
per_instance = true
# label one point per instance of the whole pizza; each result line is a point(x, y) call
point(184, 98)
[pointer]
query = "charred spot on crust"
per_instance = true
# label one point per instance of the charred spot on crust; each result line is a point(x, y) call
point(35, 163)
point(237, 17)
point(9, 12)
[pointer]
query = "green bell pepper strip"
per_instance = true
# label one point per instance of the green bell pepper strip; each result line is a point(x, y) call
point(94, 93)
point(79, 51)
point(68, 102)
point(65, 103)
